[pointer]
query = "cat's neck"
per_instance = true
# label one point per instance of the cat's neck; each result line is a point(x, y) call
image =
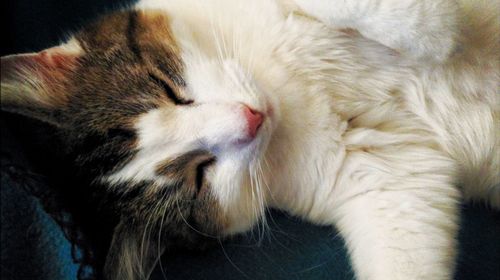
point(343, 78)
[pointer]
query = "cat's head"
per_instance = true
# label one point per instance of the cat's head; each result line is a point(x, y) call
point(172, 130)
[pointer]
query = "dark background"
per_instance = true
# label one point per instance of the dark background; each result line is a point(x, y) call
point(290, 250)
point(32, 25)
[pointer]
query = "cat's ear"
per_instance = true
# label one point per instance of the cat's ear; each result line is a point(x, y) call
point(134, 251)
point(35, 84)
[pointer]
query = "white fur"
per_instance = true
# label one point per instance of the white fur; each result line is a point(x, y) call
point(422, 28)
point(355, 135)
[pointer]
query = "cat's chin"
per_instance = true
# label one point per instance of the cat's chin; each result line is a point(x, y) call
point(240, 226)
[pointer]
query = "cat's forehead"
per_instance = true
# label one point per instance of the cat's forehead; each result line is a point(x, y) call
point(142, 39)
point(129, 58)
point(138, 30)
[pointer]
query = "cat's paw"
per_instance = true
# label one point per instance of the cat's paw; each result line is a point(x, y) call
point(422, 29)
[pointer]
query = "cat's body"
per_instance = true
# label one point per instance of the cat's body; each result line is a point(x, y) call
point(336, 128)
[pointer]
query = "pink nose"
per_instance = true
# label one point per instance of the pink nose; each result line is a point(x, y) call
point(254, 120)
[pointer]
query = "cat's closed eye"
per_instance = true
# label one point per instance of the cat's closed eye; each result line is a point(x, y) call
point(168, 90)
point(200, 172)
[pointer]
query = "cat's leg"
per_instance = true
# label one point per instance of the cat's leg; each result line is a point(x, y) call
point(423, 29)
point(398, 215)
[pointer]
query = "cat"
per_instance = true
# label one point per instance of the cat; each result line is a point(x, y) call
point(193, 117)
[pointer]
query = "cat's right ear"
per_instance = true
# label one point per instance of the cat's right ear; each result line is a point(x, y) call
point(35, 84)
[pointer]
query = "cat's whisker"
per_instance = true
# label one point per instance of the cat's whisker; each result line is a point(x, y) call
point(217, 43)
point(142, 247)
point(250, 61)
point(231, 261)
point(264, 181)
point(263, 159)
point(256, 206)
point(237, 40)
point(160, 233)
point(216, 34)
point(258, 201)
point(253, 199)
point(263, 207)
point(148, 226)
point(189, 225)
point(222, 38)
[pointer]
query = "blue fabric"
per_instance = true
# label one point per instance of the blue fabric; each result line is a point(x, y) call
point(38, 235)
point(297, 250)
point(33, 245)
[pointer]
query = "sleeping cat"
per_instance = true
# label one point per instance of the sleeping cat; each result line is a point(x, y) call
point(193, 117)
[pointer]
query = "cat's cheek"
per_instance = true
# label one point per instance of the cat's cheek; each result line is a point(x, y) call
point(209, 214)
point(241, 204)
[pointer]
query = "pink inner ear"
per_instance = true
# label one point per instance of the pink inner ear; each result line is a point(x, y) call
point(49, 65)
point(38, 79)
point(56, 58)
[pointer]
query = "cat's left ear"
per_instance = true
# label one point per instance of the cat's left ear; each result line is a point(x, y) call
point(35, 84)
